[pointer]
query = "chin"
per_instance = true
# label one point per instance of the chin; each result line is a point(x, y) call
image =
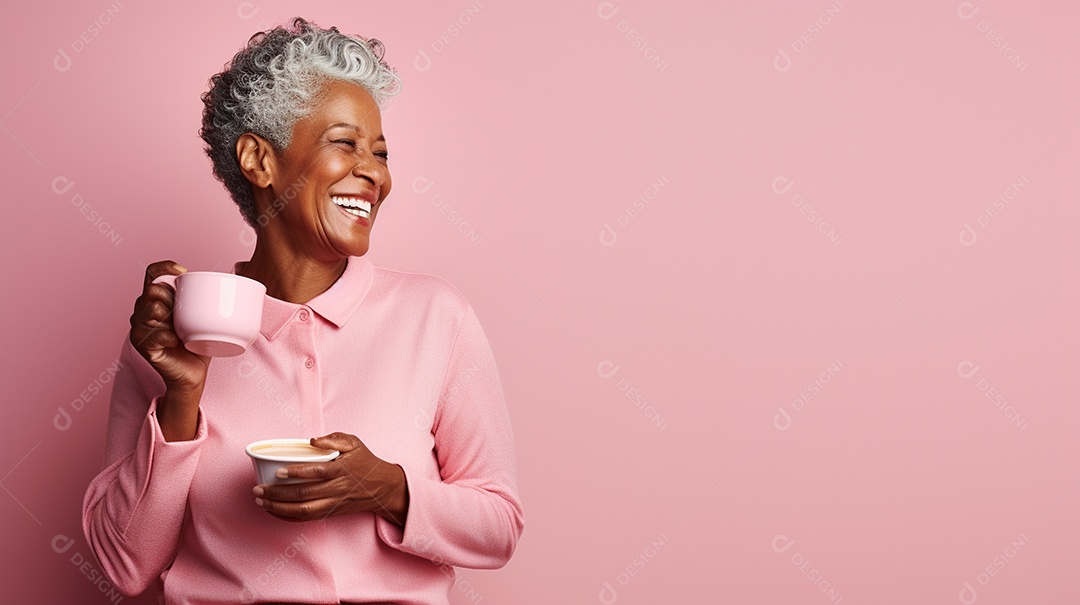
point(359, 249)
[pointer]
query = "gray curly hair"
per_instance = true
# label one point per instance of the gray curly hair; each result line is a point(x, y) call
point(273, 82)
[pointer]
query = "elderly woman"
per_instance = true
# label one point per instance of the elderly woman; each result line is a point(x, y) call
point(392, 369)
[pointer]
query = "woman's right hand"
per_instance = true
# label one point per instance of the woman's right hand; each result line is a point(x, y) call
point(153, 337)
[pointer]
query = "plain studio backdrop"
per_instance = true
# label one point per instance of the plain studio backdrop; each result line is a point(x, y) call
point(783, 294)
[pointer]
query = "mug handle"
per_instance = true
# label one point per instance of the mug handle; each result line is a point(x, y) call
point(168, 279)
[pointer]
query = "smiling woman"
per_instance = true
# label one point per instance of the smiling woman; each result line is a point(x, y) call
point(395, 364)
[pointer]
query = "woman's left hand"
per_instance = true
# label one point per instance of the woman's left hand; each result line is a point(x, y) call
point(356, 481)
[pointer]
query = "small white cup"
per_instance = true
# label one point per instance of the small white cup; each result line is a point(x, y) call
point(269, 455)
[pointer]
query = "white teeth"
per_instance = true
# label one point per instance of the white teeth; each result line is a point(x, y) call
point(357, 212)
point(350, 204)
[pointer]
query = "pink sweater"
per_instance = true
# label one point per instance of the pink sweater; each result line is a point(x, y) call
point(397, 359)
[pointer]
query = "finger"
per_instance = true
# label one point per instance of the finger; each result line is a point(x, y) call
point(160, 293)
point(299, 492)
point(153, 335)
point(154, 293)
point(309, 470)
point(153, 311)
point(156, 312)
point(164, 267)
point(159, 340)
point(151, 321)
point(342, 442)
point(312, 509)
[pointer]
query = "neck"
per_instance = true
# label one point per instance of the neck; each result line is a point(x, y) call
point(290, 277)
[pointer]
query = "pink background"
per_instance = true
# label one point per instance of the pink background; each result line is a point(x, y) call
point(784, 294)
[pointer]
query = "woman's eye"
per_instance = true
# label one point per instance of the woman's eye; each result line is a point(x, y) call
point(348, 142)
point(383, 154)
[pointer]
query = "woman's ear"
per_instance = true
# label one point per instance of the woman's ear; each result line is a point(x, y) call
point(256, 157)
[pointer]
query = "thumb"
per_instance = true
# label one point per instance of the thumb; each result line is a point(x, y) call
point(342, 442)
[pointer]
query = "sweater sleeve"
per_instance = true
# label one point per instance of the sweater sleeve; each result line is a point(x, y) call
point(134, 509)
point(472, 517)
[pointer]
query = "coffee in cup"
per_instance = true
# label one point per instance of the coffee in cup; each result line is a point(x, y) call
point(271, 454)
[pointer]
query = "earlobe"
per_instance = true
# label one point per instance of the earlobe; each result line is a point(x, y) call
point(256, 158)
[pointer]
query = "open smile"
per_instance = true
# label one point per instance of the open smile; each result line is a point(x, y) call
point(353, 205)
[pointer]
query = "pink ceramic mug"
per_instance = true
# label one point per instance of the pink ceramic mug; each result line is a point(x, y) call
point(216, 314)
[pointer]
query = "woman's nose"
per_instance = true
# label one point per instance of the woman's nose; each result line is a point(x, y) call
point(367, 166)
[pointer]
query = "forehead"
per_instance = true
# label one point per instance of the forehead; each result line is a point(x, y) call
point(344, 103)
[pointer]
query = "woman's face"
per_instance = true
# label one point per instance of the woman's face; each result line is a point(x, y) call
point(330, 182)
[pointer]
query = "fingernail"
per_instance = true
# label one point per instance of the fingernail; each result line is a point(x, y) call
point(282, 473)
point(258, 491)
point(258, 501)
point(180, 267)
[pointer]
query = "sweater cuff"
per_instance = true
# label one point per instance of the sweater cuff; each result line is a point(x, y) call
point(159, 437)
point(416, 538)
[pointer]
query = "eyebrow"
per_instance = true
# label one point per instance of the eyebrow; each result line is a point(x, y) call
point(352, 127)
